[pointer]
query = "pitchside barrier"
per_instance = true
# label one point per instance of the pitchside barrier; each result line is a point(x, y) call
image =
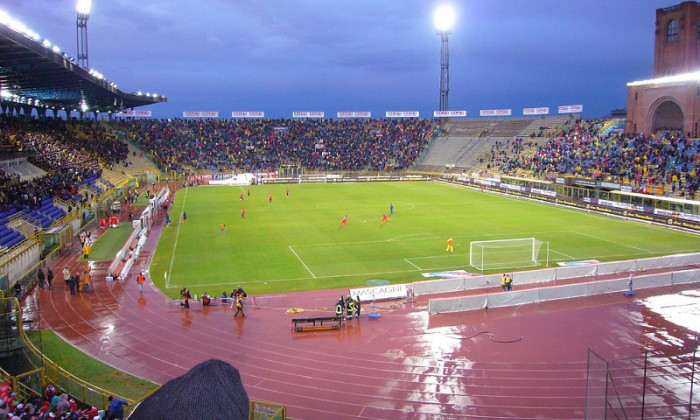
point(557, 292)
point(512, 298)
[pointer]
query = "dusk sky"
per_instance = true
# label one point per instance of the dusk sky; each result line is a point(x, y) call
point(280, 56)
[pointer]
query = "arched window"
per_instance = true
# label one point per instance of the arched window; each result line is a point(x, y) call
point(672, 31)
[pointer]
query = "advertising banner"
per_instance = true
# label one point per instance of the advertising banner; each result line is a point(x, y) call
point(134, 113)
point(308, 114)
point(390, 291)
point(447, 114)
point(402, 114)
point(247, 114)
point(200, 114)
point(543, 110)
point(570, 109)
point(495, 112)
point(354, 114)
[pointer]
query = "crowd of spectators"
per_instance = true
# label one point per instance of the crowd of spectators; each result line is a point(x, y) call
point(667, 160)
point(69, 152)
point(52, 405)
point(266, 144)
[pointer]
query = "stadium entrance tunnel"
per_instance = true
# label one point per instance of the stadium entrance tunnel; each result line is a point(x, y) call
point(667, 116)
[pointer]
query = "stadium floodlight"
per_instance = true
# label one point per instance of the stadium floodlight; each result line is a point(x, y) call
point(676, 78)
point(4, 17)
point(83, 7)
point(444, 19)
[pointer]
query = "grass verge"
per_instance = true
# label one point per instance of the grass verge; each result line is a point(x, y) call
point(89, 369)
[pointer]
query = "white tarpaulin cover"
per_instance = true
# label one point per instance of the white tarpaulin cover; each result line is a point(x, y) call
point(687, 276)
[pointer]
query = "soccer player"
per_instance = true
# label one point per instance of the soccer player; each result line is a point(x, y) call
point(344, 222)
point(287, 192)
point(270, 198)
point(240, 197)
point(384, 218)
point(450, 242)
point(242, 212)
point(222, 227)
point(391, 208)
point(184, 216)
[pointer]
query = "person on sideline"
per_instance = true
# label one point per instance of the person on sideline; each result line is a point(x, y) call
point(187, 296)
point(41, 278)
point(66, 275)
point(239, 307)
point(339, 308)
point(116, 409)
point(506, 282)
point(140, 279)
point(49, 277)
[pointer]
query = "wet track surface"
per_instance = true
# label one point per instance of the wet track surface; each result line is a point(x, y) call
point(522, 362)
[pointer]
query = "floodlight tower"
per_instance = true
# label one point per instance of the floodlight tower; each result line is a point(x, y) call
point(444, 18)
point(83, 9)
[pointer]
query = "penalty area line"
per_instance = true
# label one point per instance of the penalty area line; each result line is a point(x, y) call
point(408, 261)
point(302, 262)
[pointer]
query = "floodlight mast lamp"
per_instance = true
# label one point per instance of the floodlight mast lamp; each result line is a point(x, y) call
point(444, 19)
point(83, 9)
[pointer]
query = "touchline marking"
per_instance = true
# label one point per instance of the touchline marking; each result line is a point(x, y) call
point(614, 242)
point(396, 238)
point(177, 234)
point(407, 260)
point(561, 253)
point(302, 262)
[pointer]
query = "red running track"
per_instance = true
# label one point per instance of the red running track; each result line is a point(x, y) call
point(517, 363)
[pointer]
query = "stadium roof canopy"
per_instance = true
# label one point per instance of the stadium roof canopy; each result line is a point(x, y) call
point(34, 74)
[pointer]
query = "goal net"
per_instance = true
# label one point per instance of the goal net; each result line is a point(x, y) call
point(504, 253)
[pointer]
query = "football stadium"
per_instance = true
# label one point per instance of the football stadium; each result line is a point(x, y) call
point(349, 265)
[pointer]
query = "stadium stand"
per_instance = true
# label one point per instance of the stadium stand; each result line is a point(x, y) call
point(468, 143)
point(264, 145)
point(668, 161)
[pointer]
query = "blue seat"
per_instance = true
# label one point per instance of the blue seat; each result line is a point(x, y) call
point(9, 238)
point(15, 241)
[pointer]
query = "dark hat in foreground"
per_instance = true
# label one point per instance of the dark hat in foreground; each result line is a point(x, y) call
point(212, 389)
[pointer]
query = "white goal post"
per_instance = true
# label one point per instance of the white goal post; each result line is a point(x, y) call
point(506, 253)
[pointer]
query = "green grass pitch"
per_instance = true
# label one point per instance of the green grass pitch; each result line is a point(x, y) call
point(296, 241)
